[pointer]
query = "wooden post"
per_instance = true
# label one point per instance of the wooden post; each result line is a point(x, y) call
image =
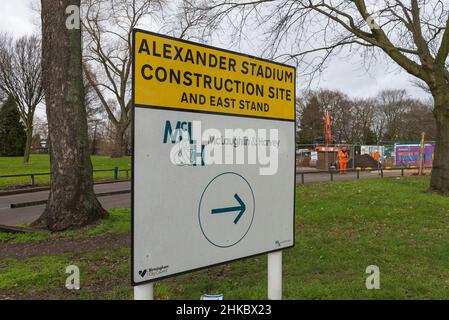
point(421, 154)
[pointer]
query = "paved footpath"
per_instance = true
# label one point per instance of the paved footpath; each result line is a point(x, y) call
point(17, 216)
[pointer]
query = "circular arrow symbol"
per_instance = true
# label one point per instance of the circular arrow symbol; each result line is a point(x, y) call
point(224, 221)
point(241, 208)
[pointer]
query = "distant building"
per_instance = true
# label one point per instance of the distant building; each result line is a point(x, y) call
point(42, 147)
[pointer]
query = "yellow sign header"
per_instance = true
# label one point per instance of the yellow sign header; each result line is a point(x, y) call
point(175, 74)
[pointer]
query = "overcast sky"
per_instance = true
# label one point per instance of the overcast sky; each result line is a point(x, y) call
point(344, 73)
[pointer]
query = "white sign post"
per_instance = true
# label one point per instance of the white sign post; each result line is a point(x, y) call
point(275, 275)
point(144, 292)
point(213, 169)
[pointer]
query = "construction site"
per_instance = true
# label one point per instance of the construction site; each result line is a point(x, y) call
point(328, 155)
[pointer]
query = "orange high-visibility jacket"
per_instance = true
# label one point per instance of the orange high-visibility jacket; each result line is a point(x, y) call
point(342, 156)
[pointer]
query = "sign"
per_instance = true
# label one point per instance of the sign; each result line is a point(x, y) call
point(314, 156)
point(213, 156)
point(409, 154)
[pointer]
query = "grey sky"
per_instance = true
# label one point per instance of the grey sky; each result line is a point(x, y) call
point(345, 73)
point(349, 76)
point(17, 17)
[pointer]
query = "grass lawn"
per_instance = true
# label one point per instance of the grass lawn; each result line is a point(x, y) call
point(341, 228)
point(118, 222)
point(41, 163)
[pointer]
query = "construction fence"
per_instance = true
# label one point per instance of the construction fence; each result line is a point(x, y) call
point(310, 157)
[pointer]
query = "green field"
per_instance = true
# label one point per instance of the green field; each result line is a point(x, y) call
point(41, 163)
point(341, 228)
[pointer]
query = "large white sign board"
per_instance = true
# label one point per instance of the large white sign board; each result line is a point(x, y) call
point(195, 215)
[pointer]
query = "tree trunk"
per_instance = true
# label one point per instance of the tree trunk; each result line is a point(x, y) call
point(118, 149)
point(72, 202)
point(440, 172)
point(26, 155)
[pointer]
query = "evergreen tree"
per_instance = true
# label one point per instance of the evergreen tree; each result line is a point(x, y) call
point(369, 137)
point(311, 122)
point(12, 133)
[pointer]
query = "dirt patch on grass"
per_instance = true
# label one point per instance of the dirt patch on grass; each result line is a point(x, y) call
point(57, 246)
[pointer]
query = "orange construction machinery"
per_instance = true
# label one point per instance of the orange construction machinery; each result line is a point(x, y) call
point(327, 135)
point(327, 128)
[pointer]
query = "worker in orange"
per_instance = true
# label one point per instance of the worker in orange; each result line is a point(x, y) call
point(343, 156)
point(376, 156)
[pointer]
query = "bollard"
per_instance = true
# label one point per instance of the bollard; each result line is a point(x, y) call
point(358, 174)
point(332, 176)
point(402, 171)
point(32, 179)
point(302, 178)
point(115, 173)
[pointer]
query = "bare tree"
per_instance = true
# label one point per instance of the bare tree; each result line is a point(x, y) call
point(391, 116)
point(378, 126)
point(20, 77)
point(72, 202)
point(186, 22)
point(108, 26)
point(96, 115)
point(351, 119)
point(339, 106)
point(393, 106)
point(413, 34)
point(418, 119)
point(40, 131)
point(363, 111)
